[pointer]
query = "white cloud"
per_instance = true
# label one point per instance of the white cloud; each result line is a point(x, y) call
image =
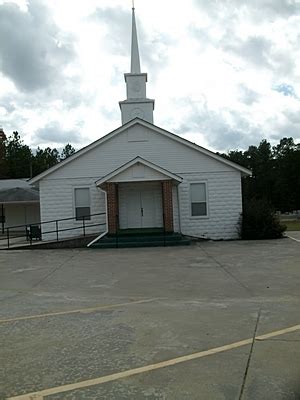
point(224, 74)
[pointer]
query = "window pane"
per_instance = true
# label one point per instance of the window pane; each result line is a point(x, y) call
point(198, 209)
point(82, 212)
point(82, 197)
point(198, 192)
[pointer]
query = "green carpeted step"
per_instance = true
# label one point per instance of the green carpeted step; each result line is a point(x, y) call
point(142, 241)
point(140, 238)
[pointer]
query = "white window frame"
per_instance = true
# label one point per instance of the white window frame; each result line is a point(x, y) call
point(190, 200)
point(74, 203)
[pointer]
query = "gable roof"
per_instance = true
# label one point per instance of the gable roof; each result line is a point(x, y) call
point(135, 161)
point(146, 124)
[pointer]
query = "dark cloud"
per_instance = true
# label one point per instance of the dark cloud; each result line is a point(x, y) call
point(33, 51)
point(286, 129)
point(281, 8)
point(223, 130)
point(255, 49)
point(53, 133)
point(230, 129)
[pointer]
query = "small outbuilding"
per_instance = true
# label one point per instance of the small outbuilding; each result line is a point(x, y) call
point(19, 204)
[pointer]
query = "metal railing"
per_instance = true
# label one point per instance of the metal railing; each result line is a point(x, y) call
point(37, 230)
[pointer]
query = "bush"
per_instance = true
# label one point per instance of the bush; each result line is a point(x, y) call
point(259, 221)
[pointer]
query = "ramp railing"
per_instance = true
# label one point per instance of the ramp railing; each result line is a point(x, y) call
point(54, 230)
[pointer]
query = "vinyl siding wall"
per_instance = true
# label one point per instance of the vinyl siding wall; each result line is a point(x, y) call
point(57, 202)
point(224, 203)
point(223, 184)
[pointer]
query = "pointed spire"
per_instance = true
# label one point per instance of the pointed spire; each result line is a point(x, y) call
point(135, 57)
point(136, 104)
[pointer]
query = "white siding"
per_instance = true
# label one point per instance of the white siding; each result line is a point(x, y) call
point(57, 202)
point(223, 184)
point(161, 150)
point(224, 206)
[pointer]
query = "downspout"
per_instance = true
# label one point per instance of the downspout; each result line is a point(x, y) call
point(179, 211)
point(106, 217)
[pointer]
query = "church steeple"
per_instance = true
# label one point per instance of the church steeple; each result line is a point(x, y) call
point(135, 56)
point(136, 104)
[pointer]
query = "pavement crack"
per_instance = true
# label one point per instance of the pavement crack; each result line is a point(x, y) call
point(227, 272)
point(250, 355)
point(53, 271)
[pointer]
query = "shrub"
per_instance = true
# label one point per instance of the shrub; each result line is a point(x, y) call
point(259, 221)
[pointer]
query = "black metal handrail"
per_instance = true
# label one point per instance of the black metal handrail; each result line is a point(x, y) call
point(30, 234)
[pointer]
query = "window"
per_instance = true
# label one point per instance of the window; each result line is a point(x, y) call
point(82, 204)
point(198, 199)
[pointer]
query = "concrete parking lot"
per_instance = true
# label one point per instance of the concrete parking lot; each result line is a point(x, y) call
point(215, 320)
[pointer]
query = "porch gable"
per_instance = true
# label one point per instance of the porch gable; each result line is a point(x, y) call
point(138, 170)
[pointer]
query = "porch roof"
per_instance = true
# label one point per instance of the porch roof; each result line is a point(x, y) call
point(19, 195)
point(163, 173)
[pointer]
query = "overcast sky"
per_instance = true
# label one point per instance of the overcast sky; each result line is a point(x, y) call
point(224, 74)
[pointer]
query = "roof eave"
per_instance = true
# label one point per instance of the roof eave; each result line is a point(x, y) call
point(134, 161)
point(134, 121)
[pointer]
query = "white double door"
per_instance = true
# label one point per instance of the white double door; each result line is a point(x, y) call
point(140, 205)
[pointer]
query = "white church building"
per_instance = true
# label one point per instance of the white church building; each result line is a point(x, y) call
point(141, 176)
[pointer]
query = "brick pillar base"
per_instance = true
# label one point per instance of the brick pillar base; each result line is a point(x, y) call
point(167, 205)
point(112, 207)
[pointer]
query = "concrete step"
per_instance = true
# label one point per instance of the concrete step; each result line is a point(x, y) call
point(141, 238)
point(141, 241)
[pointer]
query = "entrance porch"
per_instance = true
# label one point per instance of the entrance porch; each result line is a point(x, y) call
point(140, 196)
point(140, 206)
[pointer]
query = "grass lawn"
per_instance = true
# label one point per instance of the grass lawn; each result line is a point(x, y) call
point(291, 225)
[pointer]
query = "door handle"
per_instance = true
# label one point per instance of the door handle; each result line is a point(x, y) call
point(142, 211)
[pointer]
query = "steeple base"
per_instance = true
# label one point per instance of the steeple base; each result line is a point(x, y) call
point(133, 108)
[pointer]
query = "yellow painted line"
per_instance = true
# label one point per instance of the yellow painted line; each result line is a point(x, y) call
point(291, 237)
point(151, 367)
point(80, 310)
point(278, 333)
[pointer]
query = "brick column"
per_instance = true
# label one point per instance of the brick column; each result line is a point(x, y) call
point(112, 207)
point(167, 205)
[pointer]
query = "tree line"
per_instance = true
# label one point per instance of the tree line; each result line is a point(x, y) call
point(275, 173)
point(275, 170)
point(18, 160)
